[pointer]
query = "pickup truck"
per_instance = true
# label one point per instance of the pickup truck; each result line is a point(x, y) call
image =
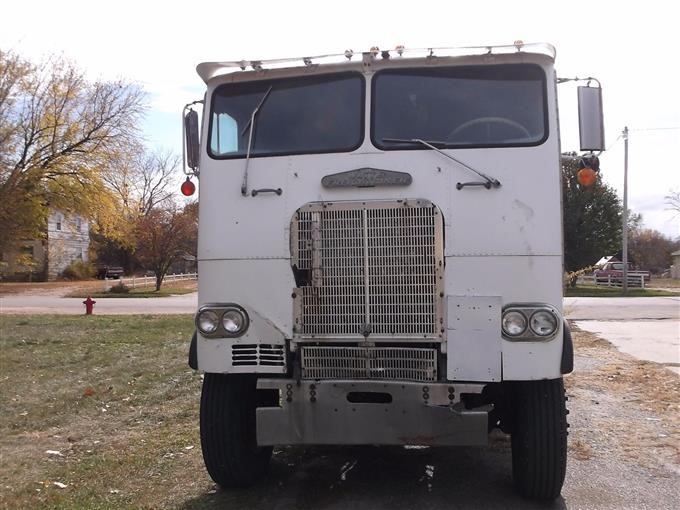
point(613, 272)
point(105, 271)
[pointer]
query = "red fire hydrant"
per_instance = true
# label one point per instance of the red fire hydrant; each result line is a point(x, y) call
point(89, 305)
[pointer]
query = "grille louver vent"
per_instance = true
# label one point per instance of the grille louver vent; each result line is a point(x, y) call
point(369, 268)
point(258, 354)
point(382, 363)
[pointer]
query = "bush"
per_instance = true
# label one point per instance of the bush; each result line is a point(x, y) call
point(119, 288)
point(78, 270)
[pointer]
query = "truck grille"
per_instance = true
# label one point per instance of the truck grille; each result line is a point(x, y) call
point(371, 268)
point(386, 363)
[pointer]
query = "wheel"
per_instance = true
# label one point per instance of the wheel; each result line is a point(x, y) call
point(228, 434)
point(539, 438)
point(489, 121)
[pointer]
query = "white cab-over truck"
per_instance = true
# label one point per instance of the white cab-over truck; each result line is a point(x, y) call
point(380, 255)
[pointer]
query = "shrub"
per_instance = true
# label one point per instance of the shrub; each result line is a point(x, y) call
point(119, 288)
point(78, 270)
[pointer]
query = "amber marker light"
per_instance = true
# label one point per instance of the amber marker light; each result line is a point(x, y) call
point(586, 176)
point(188, 188)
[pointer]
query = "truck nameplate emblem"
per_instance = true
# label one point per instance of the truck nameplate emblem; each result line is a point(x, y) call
point(366, 178)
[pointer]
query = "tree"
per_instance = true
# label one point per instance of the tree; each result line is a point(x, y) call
point(592, 218)
point(143, 181)
point(140, 183)
point(59, 134)
point(673, 201)
point(651, 250)
point(163, 235)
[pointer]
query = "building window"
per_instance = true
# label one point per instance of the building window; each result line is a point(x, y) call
point(59, 220)
point(79, 224)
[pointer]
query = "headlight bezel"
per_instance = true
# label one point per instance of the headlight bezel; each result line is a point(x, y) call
point(221, 310)
point(528, 311)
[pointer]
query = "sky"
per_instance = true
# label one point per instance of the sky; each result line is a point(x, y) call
point(628, 46)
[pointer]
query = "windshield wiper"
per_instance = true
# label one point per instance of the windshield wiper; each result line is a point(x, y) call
point(489, 182)
point(251, 124)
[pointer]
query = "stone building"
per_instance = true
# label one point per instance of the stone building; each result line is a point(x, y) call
point(67, 239)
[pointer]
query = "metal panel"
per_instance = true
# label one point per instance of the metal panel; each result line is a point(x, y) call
point(370, 269)
point(388, 363)
point(320, 413)
point(474, 338)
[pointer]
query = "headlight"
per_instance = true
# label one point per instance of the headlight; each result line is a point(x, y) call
point(530, 322)
point(514, 323)
point(208, 322)
point(222, 320)
point(543, 323)
point(233, 321)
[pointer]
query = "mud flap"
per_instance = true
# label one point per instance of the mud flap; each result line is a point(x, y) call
point(193, 354)
point(567, 363)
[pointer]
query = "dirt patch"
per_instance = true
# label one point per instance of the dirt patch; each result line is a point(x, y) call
point(60, 288)
point(623, 407)
point(664, 283)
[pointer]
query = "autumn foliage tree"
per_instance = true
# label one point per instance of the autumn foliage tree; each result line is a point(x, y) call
point(651, 250)
point(142, 181)
point(163, 235)
point(60, 134)
point(592, 218)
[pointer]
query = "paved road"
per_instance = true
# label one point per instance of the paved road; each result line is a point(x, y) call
point(625, 309)
point(647, 328)
point(40, 304)
point(575, 308)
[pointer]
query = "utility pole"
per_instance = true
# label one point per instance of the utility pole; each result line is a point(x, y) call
point(624, 230)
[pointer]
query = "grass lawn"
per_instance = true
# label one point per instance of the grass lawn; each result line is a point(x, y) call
point(602, 291)
point(103, 405)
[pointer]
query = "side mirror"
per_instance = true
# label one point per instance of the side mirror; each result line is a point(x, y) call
point(191, 139)
point(590, 119)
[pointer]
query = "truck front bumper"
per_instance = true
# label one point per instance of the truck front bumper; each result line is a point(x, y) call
point(370, 412)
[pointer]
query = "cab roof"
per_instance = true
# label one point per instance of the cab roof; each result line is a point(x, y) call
point(209, 70)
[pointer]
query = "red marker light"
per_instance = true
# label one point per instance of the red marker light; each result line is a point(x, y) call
point(188, 188)
point(586, 176)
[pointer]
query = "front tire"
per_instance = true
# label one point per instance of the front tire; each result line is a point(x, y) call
point(539, 438)
point(228, 430)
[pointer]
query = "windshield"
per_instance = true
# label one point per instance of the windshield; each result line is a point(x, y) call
point(298, 116)
point(479, 106)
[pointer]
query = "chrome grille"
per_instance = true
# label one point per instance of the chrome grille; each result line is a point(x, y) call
point(368, 269)
point(386, 363)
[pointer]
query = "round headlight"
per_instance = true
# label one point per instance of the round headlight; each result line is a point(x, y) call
point(208, 321)
point(233, 321)
point(514, 323)
point(543, 323)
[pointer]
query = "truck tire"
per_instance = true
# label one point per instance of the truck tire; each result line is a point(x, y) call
point(539, 438)
point(228, 433)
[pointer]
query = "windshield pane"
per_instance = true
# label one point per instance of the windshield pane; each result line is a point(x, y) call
point(481, 106)
point(299, 115)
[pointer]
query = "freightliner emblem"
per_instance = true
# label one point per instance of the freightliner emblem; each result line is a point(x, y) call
point(366, 178)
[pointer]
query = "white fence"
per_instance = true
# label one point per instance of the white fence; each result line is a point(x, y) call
point(144, 281)
point(634, 280)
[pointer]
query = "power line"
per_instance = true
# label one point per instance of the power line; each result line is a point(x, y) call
point(614, 142)
point(672, 128)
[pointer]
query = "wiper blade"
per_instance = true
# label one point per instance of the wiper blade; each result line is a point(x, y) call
point(430, 144)
point(251, 124)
